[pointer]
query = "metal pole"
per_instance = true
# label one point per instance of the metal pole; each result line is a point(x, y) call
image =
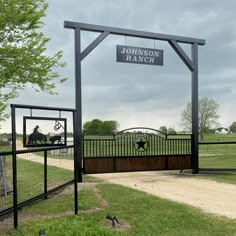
point(195, 161)
point(14, 166)
point(78, 104)
point(45, 175)
point(75, 166)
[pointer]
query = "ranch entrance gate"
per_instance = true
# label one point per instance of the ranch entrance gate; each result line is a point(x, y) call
point(137, 149)
point(175, 42)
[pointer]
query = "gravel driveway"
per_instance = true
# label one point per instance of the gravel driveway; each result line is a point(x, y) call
point(208, 195)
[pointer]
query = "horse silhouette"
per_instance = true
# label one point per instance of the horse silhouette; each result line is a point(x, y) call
point(55, 138)
point(37, 138)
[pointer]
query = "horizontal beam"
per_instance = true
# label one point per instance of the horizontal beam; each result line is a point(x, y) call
point(41, 108)
point(41, 149)
point(216, 142)
point(132, 33)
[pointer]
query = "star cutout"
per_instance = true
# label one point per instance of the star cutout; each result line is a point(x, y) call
point(141, 144)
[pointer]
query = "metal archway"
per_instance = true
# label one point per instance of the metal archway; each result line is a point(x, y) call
point(191, 63)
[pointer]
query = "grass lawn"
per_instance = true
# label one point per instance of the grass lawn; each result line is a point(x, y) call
point(225, 177)
point(219, 137)
point(140, 214)
point(217, 161)
point(30, 179)
point(217, 156)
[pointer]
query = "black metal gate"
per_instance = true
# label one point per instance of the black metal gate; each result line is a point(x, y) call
point(137, 149)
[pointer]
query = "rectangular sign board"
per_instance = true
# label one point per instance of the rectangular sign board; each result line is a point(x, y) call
point(137, 55)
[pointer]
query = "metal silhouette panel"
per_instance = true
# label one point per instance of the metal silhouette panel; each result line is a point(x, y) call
point(44, 131)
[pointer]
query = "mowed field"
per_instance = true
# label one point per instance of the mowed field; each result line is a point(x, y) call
point(218, 155)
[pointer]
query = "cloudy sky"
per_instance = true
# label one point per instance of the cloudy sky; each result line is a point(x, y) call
point(143, 95)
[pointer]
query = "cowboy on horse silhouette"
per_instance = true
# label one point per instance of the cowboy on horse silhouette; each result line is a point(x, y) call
point(36, 137)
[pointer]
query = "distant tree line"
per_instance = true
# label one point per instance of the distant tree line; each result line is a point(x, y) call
point(170, 130)
point(99, 127)
point(232, 127)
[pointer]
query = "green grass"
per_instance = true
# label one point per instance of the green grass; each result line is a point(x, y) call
point(224, 177)
point(30, 179)
point(218, 161)
point(219, 137)
point(141, 213)
point(64, 201)
point(217, 156)
point(5, 148)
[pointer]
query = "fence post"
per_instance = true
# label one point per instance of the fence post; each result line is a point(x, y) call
point(14, 166)
point(45, 175)
point(3, 177)
point(75, 163)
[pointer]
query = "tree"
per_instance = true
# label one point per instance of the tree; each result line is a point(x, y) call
point(207, 115)
point(232, 127)
point(163, 129)
point(24, 62)
point(109, 127)
point(99, 127)
point(171, 131)
point(92, 127)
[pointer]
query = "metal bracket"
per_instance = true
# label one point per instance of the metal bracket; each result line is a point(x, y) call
point(113, 219)
point(94, 44)
point(184, 57)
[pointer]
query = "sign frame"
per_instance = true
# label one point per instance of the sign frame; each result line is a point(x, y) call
point(139, 55)
point(41, 141)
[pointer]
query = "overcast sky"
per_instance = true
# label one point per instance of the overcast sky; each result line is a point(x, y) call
point(143, 95)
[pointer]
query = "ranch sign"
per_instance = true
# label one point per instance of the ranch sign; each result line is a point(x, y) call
point(44, 131)
point(139, 55)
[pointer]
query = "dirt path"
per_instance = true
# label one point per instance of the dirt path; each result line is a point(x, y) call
point(61, 163)
point(210, 196)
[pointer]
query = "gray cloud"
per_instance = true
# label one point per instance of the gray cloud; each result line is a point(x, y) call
point(139, 94)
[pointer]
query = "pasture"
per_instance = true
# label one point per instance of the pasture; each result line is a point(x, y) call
point(30, 180)
point(218, 155)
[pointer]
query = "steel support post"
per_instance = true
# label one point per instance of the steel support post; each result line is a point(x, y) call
point(75, 165)
point(195, 161)
point(14, 167)
point(78, 142)
point(45, 174)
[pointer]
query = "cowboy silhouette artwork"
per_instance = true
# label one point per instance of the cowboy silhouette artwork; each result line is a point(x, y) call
point(36, 137)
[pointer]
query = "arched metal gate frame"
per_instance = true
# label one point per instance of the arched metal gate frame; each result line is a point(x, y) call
point(174, 41)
